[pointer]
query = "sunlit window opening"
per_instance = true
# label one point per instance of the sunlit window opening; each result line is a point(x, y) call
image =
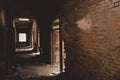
point(22, 37)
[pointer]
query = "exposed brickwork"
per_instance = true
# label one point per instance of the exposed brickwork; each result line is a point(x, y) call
point(91, 32)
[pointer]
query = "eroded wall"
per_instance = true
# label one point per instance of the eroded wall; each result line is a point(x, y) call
point(91, 32)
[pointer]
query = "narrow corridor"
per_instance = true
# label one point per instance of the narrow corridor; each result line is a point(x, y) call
point(82, 36)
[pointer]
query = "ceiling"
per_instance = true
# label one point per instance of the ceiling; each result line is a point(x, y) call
point(42, 10)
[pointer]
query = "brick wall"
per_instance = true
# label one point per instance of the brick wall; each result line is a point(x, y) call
point(91, 32)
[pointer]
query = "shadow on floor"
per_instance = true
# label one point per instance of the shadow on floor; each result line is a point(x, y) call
point(34, 69)
point(27, 77)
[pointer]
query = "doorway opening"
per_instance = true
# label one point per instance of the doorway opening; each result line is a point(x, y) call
point(26, 37)
point(57, 46)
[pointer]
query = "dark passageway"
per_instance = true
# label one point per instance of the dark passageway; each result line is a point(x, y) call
point(59, 39)
point(28, 53)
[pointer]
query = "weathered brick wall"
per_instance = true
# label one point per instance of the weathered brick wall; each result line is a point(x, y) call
point(91, 32)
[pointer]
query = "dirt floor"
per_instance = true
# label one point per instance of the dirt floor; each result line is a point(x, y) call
point(30, 69)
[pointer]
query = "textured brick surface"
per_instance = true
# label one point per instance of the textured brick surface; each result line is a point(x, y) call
point(91, 32)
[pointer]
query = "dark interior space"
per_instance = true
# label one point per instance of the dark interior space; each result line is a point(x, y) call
point(59, 40)
point(19, 52)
